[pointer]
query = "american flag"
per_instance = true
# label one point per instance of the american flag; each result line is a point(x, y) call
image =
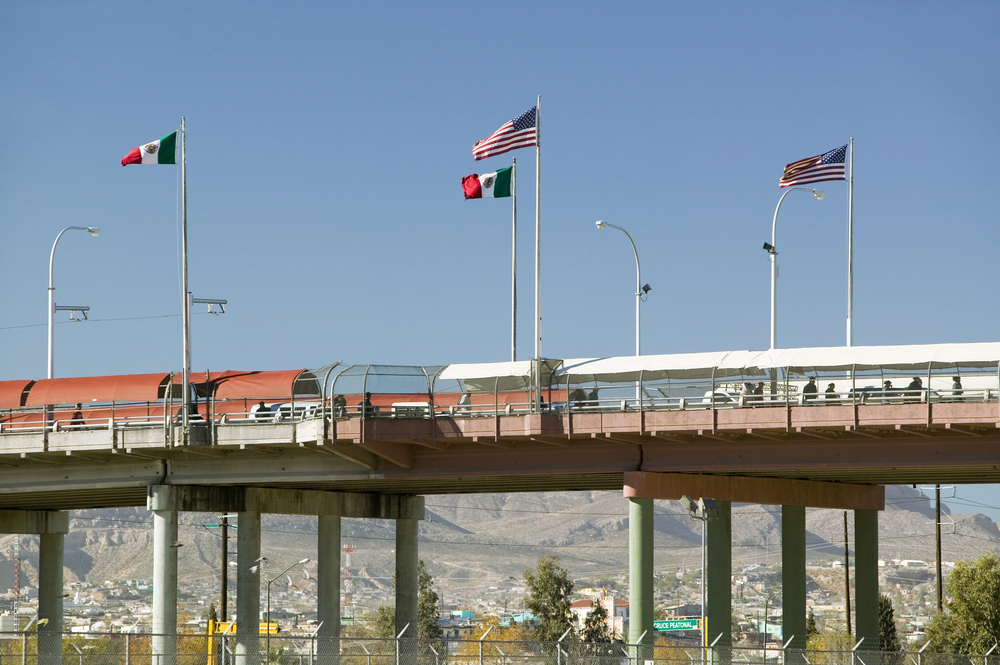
point(517, 133)
point(828, 166)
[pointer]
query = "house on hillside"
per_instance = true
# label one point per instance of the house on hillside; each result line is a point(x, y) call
point(617, 613)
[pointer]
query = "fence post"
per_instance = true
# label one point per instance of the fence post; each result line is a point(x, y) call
point(397, 641)
point(559, 647)
point(481, 644)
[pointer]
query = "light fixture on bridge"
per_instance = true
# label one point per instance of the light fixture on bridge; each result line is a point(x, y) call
point(768, 247)
point(211, 302)
point(94, 231)
point(73, 309)
point(640, 290)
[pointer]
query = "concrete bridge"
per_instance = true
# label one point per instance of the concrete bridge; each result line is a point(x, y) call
point(366, 441)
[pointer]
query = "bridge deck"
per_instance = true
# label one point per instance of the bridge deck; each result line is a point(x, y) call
point(109, 464)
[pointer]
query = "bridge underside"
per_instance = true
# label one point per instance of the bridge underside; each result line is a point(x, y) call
point(890, 444)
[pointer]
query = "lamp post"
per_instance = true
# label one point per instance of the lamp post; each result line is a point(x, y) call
point(267, 641)
point(94, 231)
point(639, 289)
point(703, 509)
point(773, 253)
point(767, 602)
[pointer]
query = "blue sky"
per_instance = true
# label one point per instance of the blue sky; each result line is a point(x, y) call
point(326, 144)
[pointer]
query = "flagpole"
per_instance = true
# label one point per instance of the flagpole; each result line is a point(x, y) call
point(513, 265)
point(538, 254)
point(186, 300)
point(850, 245)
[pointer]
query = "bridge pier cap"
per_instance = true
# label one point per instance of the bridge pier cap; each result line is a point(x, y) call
point(750, 489)
point(198, 498)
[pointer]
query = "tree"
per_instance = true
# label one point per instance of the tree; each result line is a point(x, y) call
point(427, 606)
point(427, 610)
point(888, 640)
point(549, 589)
point(970, 623)
point(213, 615)
point(811, 628)
point(385, 621)
point(595, 626)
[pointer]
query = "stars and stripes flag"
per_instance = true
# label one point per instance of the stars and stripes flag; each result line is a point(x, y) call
point(520, 132)
point(828, 166)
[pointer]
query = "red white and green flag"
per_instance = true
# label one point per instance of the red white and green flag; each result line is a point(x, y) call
point(158, 152)
point(494, 185)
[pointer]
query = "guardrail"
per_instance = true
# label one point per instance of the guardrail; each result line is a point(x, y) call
point(39, 420)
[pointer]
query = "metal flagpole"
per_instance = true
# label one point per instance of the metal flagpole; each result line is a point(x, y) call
point(538, 254)
point(850, 245)
point(186, 309)
point(513, 265)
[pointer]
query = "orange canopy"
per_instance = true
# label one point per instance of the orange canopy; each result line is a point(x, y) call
point(11, 392)
point(124, 388)
point(263, 385)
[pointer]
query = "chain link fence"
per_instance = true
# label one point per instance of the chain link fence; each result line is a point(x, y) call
point(188, 649)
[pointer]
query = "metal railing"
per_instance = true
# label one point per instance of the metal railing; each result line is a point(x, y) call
point(305, 649)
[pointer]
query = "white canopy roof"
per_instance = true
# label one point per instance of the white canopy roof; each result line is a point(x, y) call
point(729, 363)
point(464, 371)
point(736, 363)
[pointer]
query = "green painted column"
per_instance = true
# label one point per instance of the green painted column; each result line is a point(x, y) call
point(50, 598)
point(866, 578)
point(793, 580)
point(640, 573)
point(328, 590)
point(718, 582)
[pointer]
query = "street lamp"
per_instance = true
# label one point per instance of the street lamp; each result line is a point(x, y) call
point(267, 647)
point(773, 253)
point(92, 230)
point(767, 602)
point(640, 290)
point(703, 509)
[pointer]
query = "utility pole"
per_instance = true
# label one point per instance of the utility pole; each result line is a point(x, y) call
point(937, 528)
point(847, 576)
point(224, 593)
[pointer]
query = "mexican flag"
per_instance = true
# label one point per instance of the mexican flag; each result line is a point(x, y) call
point(494, 185)
point(157, 152)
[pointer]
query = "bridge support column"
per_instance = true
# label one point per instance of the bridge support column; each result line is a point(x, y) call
point(248, 577)
point(50, 601)
point(328, 589)
point(793, 581)
point(718, 582)
point(164, 641)
point(640, 574)
point(407, 588)
point(866, 577)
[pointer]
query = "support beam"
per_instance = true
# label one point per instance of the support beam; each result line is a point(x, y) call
point(50, 600)
point(719, 602)
point(34, 521)
point(236, 499)
point(866, 590)
point(248, 567)
point(640, 575)
point(164, 644)
point(328, 590)
point(406, 578)
point(793, 581)
point(749, 489)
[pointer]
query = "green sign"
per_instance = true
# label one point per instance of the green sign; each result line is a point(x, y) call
point(676, 624)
